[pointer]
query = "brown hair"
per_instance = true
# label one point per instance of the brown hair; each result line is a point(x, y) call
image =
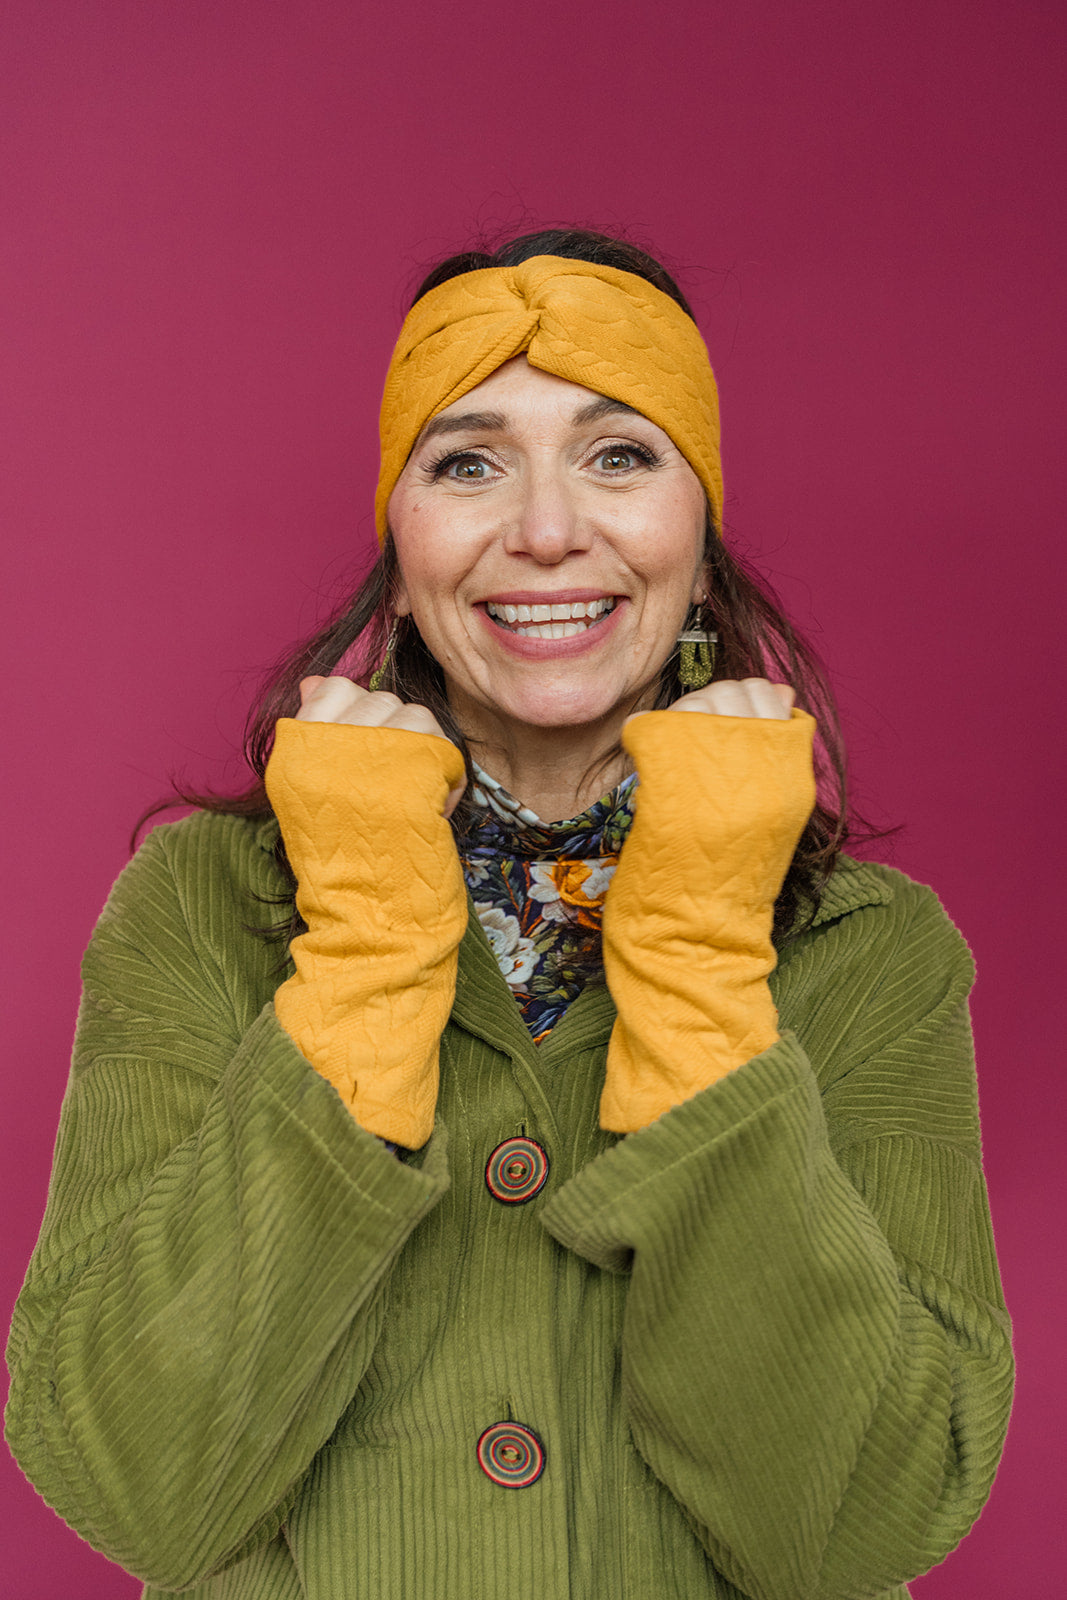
point(755, 638)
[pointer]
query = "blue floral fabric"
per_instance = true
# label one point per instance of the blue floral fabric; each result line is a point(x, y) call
point(538, 888)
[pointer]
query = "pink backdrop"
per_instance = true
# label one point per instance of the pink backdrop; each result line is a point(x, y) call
point(211, 213)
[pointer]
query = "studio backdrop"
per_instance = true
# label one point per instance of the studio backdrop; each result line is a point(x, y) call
point(213, 217)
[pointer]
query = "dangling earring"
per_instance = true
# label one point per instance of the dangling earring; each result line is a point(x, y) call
point(696, 655)
point(378, 676)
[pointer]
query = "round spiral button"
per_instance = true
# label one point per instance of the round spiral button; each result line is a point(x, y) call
point(510, 1455)
point(516, 1171)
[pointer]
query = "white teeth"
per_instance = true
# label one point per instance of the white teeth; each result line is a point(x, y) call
point(561, 621)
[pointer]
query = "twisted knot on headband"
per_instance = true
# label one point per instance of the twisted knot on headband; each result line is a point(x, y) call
point(608, 330)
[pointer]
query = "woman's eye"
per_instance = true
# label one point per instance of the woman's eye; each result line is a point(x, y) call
point(620, 459)
point(463, 469)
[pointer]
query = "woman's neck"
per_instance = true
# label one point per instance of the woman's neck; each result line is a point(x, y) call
point(556, 772)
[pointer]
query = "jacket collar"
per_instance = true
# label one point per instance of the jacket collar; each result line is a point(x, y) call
point(854, 884)
point(266, 833)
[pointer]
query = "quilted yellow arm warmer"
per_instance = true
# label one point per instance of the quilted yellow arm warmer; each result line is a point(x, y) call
point(687, 921)
point(381, 890)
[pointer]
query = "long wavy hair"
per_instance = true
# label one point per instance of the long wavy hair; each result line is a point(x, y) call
point(755, 639)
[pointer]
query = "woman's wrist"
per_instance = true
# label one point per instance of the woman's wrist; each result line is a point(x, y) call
point(687, 924)
point(381, 891)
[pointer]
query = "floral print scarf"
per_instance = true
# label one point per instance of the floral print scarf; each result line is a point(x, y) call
point(538, 888)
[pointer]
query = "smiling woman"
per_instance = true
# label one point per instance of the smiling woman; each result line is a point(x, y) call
point(511, 1148)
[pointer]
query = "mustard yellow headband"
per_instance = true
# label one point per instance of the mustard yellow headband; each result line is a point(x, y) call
point(609, 331)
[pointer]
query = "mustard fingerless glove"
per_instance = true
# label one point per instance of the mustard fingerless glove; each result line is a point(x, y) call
point(721, 804)
point(381, 890)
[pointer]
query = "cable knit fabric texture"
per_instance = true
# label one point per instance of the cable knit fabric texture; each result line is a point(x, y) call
point(610, 331)
point(380, 888)
point(721, 804)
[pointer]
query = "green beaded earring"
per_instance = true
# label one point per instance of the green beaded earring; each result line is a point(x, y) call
point(696, 656)
point(377, 677)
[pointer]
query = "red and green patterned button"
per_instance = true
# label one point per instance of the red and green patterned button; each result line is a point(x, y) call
point(510, 1455)
point(516, 1171)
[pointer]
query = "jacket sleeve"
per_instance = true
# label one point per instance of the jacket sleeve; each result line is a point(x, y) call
point(206, 1291)
point(816, 1358)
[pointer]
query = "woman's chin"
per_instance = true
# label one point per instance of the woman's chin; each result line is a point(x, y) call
point(567, 713)
point(512, 700)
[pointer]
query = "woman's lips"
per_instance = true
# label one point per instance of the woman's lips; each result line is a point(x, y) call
point(539, 629)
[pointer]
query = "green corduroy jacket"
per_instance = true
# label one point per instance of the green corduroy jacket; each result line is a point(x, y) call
point(761, 1342)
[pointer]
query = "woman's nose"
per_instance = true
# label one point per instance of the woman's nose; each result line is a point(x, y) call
point(548, 523)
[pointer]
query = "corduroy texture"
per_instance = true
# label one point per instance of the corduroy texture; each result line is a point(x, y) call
point(381, 890)
point(687, 921)
point(607, 330)
point(762, 1340)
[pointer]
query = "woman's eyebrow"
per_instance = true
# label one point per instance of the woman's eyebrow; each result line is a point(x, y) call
point(482, 421)
point(496, 421)
point(604, 407)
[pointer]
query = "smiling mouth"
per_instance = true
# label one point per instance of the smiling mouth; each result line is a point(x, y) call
point(551, 622)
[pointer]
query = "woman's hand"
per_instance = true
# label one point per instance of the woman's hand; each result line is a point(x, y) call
point(341, 700)
point(751, 697)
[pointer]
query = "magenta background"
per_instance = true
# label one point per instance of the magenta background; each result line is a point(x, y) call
point(210, 216)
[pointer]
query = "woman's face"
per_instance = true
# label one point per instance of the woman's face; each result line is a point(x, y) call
point(550, 544)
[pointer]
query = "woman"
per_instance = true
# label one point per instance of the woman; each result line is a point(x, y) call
point(429, 1263)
